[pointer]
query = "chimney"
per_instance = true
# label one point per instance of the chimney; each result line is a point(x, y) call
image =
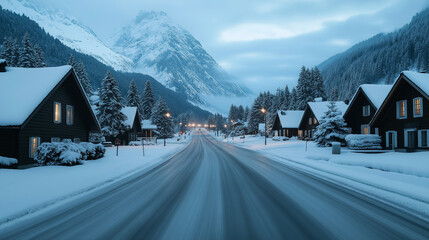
point(319, 99)
point(3, 65)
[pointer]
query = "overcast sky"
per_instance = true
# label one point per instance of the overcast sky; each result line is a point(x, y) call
point(264, 42)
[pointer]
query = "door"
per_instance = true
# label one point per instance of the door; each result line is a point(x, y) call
point(412, 139)
point(390, 136)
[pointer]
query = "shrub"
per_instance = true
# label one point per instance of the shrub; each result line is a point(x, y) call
point(67, 153)
point(7, 162)
point(363, 141)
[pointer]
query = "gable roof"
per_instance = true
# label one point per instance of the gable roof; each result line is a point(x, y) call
point(147, 125)
point(23, 89)
point(130, 112)
point(319, 108)
point(375, 93)
point(421, 80)
point(290, 118)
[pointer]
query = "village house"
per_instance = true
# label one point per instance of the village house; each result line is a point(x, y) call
point(287, 122)
point(148, 129)
point(313, 112)
point(366, 101)
point(403, 118)
point(41, 105)
point(133, 126)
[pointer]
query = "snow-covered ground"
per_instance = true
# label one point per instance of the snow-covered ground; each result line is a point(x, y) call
point(29, 190)
point(401, 179)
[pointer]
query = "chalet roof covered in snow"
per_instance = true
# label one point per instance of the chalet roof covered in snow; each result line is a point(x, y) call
point(420, 79)
point(290, 118)
point(23, 89)
point(319, 108)
point(130, 112)
point(376, 93)
point(147, 125)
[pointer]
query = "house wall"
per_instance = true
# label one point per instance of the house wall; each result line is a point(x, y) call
point(305, 126)
point(388, 121)
point(355, 118)
point(9, 142)
point(42, 124)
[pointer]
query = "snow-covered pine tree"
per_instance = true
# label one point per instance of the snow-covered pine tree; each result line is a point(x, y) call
point(133, 97)
point(148, 101)
point(6, 52)
point(287, 98)
point(14, 61)
point(110, 115)
point(83, 78)
point(240, 113)
point(232, 116)
point(39, 58)
point(72, 62)
point(303, 89)
point(334, 95)
point(293, 100)
point(318, 84)
point(26, 53)
point(246, 114)
point(331, 128)
point(161, 120)
point(255, 115)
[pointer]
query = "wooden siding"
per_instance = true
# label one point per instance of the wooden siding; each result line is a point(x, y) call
point(284, 132)
point(305, 126)
point(9, 142)
point(354, 115)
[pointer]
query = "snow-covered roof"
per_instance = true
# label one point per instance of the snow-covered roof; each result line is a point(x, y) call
point(130, 112)
point(290, 118)
point(376, 93)
point(147, 125)
point(23, 89)
point(2, 61)
point(319, 108)
point(420, 79)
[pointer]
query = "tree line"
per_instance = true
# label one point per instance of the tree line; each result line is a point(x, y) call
point(25, 55)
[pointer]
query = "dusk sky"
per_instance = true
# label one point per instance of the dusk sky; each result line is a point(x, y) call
point(264, 43)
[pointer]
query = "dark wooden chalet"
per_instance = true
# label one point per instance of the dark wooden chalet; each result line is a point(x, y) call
point(133, 126)
point(313, 112)
point(287, 122)
point(41, 105)
point(366, 101)
point(403, 118)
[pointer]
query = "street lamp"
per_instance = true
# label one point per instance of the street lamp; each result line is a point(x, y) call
point(264, 111)
point(168, 116)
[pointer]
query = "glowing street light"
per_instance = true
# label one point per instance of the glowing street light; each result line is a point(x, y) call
point(264, 111)
point(168, 115)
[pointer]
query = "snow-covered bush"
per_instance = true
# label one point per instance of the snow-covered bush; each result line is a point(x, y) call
point(7, 162)
point(363, 141)
point(332, 127)
point(67, 153)
point(135, 143)
point(239, 131)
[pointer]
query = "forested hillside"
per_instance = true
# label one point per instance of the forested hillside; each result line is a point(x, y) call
point(56, 53)
point(379, 59)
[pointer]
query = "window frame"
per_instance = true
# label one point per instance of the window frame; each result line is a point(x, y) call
point(398, 107)
point(30, 146)
point(60, 118)
point(69, 119)
point(421, 107)
point(420, 133)
point(362, 127)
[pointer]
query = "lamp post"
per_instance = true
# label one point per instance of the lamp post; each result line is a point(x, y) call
point(264, 111)
point(168, 116)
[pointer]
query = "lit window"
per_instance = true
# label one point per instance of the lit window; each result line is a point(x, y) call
point(34, 144)
point(418, 107)
point(364, 129)
point(69, 115)
point(55, 139)
point(315, 121)
point(57, 112)
point(366, 110)
point(401, 109)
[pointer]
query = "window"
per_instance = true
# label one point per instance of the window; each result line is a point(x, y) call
point(418, 107)
point(76, 140)
point(315, 121)
point(34, 144)
point(55, 139)
point(299, 133)
point(69, 115)
point(376, 131)
point(366, 110)
point(310, 121)
point(364, 129)
point(423, 136)
point(401, 109)
point(57, 112)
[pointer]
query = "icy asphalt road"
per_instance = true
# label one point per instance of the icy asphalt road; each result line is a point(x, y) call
point(211, 190)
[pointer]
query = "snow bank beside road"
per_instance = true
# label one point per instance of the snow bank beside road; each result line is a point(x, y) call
point(26, 191)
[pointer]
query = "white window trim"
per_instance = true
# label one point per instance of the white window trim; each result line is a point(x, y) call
point(406, 135)
point(55, 103)
point(72, 115)
point(376, 131)
point(421, 107)
point(397, 109)
point(364, 108)
point(55, 138)
point(419, 138)
point(30, 146)
point(363, 126)
point(395, 134)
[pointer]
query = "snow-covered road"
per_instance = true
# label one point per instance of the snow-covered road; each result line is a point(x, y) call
point(212, 190)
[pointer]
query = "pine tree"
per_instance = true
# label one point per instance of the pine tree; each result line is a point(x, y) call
point(110, 115)
point(83, 77)
point(14, 61)
point(133, 97)
point(246, 114)
point(331, 128)
point(255, 116)
point(287, 98)
point(334, 94)
point(26, 53)
point(318, 84)
point(72, 62)
point(240, 113)
point(303, 89)
point(232, 116)
point(293, 100)
point(148, 101)
point(39, 58)
point(6, 52)
point(161, 120)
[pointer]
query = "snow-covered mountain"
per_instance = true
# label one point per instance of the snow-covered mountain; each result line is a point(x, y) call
point(70, 32)
point(161, 48)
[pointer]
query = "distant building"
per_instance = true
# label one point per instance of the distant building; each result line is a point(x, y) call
point(313, 112)
point(147, 129)
point(41, 105)
point(403, 117)
point(366, 101)
point(287, 122)
point(132, 126)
